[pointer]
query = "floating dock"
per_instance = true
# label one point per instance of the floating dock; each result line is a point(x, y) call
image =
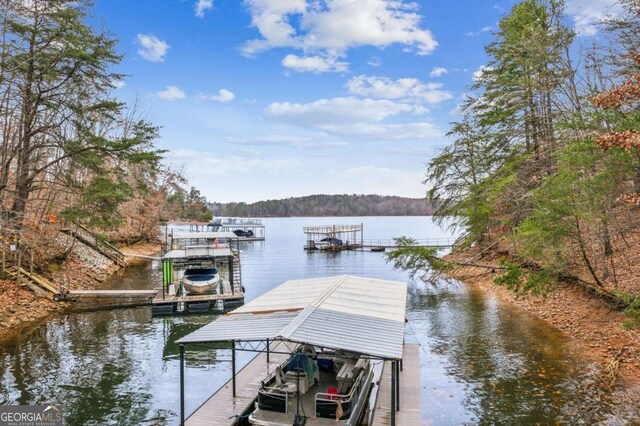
point(343, 314)
point(108, 298)
point(171, 304)
point(200, 249)
point(409, 411)
point(246, 229)
point(222, 407)
point(383, 244)
point(333, 237)
point(350, 237)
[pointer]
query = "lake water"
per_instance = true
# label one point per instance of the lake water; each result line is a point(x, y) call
point(481, 361)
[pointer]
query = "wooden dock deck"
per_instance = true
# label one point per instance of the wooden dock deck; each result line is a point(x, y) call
point(100, 299)
point(422, 242)
point(410, 412)
point(146, 294)
point(171, 303)
point(220, 408)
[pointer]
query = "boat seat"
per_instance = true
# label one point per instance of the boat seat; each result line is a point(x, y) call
point(345, 377)
point(362, 364)
point(282, 384)
point(291, 379)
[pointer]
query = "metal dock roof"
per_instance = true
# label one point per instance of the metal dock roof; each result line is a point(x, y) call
point(357, 314)
point(207, 235)
point(197, 251)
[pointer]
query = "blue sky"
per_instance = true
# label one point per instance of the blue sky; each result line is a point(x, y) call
point(263, 99)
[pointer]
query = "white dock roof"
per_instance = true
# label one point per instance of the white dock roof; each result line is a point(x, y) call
point(197, 251)
point(185, 235)
point(361, 315)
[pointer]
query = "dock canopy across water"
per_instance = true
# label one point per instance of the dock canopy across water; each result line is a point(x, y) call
point(350, 313)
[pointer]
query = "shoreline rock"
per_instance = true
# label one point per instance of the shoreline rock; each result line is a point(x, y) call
point(86, 268)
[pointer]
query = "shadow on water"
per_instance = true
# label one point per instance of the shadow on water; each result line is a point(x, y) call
point(482, 362)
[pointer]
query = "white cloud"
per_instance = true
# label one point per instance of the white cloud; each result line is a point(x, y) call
point(386, 131)
point(328, 112)
point(117, 84)
point(316, 64)
point(152, 48)
point(223, 96)
point(354, 118)
point(403, 88)
point(587, 14)
point(202, 6)
point(479, 73)
point(382, 180)
point(374, 61)
point(438, 71)
point(486, 29)
point(213, 164)
point(171, 93)
point(329, 28)
point(284, 140)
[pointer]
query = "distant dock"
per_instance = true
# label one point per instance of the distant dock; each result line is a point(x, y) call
point(245, 229)
point(334, 237)
point(201, 248)
point(350, 237)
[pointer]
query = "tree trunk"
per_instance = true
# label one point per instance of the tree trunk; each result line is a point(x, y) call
point(585, 257)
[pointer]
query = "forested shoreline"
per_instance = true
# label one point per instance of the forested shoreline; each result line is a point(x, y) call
point(543, 170)
point(328, 205)
point(71, 153)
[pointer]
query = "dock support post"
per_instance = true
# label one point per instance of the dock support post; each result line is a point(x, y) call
point(397, 386)
point(230, 267)
point(233, 366)
point(393, 393)
point(267, 351)
point(182, 385)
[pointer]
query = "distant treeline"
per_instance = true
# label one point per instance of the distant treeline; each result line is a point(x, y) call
point(328, 205)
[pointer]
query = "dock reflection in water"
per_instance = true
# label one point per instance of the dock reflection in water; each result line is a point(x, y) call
point(481, 361)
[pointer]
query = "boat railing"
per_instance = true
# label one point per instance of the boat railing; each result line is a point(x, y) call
point(180, 245)
point(273, 399)
point(346, 400)
point(326, 404)
point(241, 221)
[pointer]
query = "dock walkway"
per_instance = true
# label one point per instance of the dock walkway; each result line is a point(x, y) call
point(220, 408)
point(422, 242)
point(410, 412)
point(146, 294)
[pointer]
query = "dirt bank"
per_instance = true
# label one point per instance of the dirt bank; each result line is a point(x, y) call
point(85, 268)
point(595, 328)
point(142, 249)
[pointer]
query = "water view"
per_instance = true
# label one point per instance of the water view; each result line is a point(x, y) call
point(481, 361)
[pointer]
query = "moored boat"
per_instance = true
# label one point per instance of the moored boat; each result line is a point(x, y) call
point(201, 280)
point(327, 387)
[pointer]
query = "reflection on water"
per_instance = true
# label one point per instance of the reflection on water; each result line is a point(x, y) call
point(481, 361)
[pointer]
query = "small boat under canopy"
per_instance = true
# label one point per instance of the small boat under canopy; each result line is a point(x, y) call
point(201, 280)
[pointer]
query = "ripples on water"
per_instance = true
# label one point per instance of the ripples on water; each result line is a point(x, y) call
point(481, 361)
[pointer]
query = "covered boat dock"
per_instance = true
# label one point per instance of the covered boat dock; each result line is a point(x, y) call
point(342, 313)
point(199, 249)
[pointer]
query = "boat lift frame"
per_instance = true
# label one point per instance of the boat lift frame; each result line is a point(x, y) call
point(263, 346)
